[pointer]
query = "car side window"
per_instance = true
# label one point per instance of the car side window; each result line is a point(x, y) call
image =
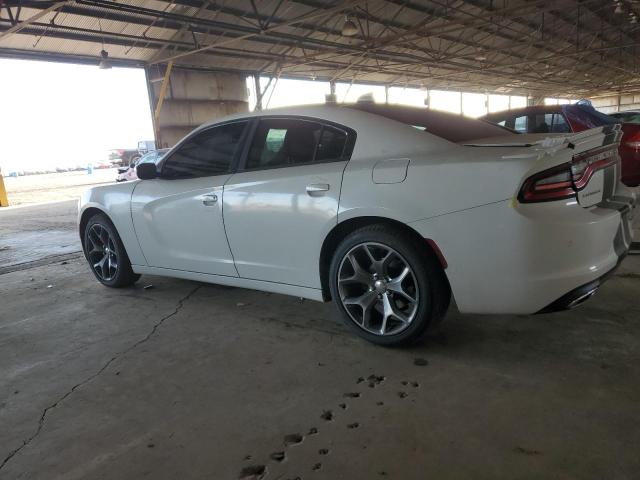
point(559, 124)
point(208, 153)
point(148, 158)
point(542, 123)
point(289, 142)
point(520, 124)
point(331, 145)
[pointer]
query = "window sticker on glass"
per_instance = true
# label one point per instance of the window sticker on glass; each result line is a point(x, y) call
point(275, 139)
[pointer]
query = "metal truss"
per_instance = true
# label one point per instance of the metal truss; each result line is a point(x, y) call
point(570, 48)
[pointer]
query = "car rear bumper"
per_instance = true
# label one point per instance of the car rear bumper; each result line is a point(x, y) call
point(512, 258)
point(580, 294)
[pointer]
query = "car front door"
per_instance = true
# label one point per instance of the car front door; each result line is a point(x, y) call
point(282, 203)
point(178, 216)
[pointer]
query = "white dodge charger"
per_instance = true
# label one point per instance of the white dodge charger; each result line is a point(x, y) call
point(386, 210)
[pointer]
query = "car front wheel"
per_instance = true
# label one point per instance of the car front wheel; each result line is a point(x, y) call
point(106, 254)
point(388, 286)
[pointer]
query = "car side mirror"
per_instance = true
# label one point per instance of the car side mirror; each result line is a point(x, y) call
point(146, 171)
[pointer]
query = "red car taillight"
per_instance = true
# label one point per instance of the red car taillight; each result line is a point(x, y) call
point(631, 137)
point(564, 181)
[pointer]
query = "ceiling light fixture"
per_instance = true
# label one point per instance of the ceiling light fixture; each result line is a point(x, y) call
point(104, 60)
point(104, 64)
point(349, 29)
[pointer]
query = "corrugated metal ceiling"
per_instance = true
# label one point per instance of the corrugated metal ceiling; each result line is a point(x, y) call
point(561, 47)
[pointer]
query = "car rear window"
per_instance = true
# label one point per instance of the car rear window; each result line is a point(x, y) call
point(449, 126)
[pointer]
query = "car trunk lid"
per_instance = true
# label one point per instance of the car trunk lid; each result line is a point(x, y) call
point(585, 165)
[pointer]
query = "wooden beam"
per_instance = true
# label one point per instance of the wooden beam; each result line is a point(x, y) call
point(161, 95)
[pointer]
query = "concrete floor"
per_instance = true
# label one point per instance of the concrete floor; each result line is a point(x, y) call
point(187, 380)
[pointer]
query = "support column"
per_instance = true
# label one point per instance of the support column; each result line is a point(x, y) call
point(259, 93)
point(186, 98)
point(332, 97)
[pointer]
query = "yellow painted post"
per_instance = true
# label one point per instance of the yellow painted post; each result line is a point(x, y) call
point(4, 200)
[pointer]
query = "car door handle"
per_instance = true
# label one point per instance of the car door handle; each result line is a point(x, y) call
point(209, 199)
point(317, 188)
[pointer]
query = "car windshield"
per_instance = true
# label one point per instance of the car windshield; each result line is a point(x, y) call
point(449, 126)
point(152, 157)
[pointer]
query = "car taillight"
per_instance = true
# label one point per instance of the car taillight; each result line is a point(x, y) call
point(631, 137)
point(552, 184)
point(564, 181)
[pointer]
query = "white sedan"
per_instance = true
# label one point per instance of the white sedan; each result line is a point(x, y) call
point(386, 210)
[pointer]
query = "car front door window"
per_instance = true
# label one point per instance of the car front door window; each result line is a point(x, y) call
point(206, 154)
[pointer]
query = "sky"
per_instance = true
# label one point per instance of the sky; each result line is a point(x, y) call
point(66, 115)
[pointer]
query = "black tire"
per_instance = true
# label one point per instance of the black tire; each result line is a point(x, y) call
point(428, 281)
point(120, 276)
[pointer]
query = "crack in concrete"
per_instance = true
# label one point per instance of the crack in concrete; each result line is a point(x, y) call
point(118, 355)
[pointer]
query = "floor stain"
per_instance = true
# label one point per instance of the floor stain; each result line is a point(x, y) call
point(292, 439)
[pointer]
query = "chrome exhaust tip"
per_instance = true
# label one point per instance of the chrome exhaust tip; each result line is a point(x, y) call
point(582, 298)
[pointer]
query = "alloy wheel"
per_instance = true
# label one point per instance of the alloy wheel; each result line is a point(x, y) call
point(378, 288)
point(101, 251)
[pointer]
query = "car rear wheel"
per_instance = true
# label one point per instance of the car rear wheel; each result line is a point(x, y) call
point(106, 254)
point(387, 285)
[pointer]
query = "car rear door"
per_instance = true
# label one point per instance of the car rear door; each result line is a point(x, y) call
point(281, 204)
point(178, 216)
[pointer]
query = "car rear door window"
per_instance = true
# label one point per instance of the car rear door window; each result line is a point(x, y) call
point(208, 153)
point(331, 145)
point(521, 123)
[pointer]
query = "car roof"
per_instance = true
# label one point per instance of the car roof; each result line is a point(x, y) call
point(445, 125)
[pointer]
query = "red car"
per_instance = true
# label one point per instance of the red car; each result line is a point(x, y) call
point(575, 118)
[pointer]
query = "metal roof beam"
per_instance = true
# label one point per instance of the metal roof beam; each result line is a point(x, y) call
point(34, 18)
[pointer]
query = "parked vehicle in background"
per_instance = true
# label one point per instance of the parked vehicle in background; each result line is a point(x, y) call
point(575, 118)
point(123, 156)
point(128, 156)
point(146, 146)
point(386, 210)
point(129, 173)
